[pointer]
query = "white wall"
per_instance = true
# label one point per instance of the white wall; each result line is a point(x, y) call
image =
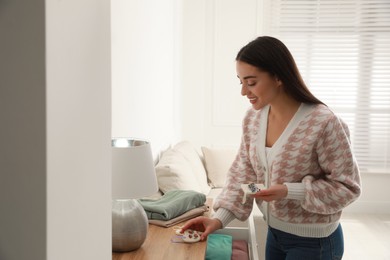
point(55, 187)
point(375, 198)
point(169, 81)
point(78, 100)
point(145, 49)
point(213, 32)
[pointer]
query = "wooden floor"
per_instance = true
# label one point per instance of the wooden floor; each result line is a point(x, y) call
point(366, 236)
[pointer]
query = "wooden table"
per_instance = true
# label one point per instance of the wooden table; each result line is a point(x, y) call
point(158, 246)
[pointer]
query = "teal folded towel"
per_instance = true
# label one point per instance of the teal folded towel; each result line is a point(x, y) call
point(172, 204)
point(219, 247)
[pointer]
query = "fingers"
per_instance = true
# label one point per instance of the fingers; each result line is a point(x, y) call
point(274, 192)
point(212, 225)
point(264, 193)
point(203, 224)
point(204, 235)
point(267, 198)
point(198, 224)
point(195, 224)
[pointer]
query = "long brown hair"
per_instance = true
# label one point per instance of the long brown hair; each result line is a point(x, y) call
point(271, 55)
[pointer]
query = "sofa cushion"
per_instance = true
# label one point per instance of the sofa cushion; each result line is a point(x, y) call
point(217, 163)
point(181, 168)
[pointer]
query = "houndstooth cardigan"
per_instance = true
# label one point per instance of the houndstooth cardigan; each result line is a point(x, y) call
point(312, 157)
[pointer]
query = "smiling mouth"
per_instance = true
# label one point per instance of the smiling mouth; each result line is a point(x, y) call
point(252, 100)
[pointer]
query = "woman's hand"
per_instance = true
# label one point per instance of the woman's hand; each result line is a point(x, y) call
point(203, 224)
point(275, 192)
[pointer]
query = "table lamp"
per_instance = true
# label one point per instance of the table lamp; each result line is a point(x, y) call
point(133, 176)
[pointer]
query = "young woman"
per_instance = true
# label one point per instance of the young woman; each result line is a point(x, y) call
point(299, 149)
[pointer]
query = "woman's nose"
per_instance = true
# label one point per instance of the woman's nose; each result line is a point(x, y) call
point(244, 90)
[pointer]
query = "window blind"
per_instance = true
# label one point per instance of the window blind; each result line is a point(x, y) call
point(342, 49)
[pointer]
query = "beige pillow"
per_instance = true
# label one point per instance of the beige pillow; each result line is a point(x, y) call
point(217, 163)
point(181, 168)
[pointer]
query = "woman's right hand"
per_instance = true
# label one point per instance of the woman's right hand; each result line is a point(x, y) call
point(203, 224)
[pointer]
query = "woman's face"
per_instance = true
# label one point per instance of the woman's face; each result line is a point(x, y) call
point(258, 86)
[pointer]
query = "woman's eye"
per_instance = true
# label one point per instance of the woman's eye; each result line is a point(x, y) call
point(251, 84)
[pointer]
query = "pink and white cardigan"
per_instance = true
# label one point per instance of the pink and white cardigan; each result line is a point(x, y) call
point(312, 157)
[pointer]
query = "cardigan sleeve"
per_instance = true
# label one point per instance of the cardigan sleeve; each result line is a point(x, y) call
point(295, 191)
point(240, 172)
point(340, 184)
point(225, 216)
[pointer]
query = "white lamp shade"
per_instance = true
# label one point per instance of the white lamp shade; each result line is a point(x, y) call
point(133, 173)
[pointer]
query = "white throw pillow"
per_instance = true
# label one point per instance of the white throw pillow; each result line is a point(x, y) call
point(181, 168)
point(217, 163)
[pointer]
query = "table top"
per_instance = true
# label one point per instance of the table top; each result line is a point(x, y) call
point(158, 246)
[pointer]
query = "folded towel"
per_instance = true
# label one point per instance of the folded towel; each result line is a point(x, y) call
point(219, 247)
point(240, 250)
point(192, 213)
point(172, 204)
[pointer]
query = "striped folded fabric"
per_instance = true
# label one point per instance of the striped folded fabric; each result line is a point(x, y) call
point(184, 217)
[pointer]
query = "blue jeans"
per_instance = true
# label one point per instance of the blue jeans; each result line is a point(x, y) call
point(285, 246)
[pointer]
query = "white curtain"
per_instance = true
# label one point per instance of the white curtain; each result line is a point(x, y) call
point(342, 49)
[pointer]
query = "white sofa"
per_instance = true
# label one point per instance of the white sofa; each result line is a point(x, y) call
point(204, 170)
point(183, 167)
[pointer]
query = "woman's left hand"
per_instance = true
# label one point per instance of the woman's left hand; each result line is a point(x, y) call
point(275, 192)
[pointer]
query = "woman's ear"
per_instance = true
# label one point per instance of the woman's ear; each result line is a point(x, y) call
point(278, 81)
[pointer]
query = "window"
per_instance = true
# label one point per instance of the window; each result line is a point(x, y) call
point(342, 49)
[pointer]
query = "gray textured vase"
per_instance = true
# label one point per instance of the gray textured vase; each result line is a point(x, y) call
point(129, 225)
